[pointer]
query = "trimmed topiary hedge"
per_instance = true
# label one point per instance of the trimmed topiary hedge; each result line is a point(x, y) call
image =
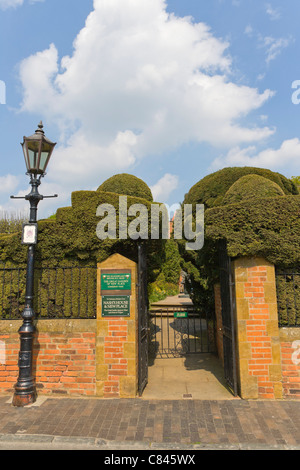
point(211, 190)
point(71, 236)
point(128, 185)
point(70, 240)
point(61, 292)
point(267, 227)
point(250, 187)
point(256, 211)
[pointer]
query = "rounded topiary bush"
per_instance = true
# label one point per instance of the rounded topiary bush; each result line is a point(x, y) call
point(211, 190)
point(251, 186)
point(128, 185)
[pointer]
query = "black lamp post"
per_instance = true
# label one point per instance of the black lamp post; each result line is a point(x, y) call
point(37, 152)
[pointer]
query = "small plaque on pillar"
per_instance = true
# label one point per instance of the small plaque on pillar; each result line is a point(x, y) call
point(115, 282)
point(115, 306)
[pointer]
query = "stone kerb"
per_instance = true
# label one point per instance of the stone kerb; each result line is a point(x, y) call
point(258, 341)
point(117, 331)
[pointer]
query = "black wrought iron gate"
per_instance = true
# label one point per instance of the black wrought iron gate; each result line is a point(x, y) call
point(228, 327)
point(142, 318)
point(176, 331)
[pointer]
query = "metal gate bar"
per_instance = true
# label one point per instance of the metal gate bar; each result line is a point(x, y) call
point(228, 325)
point(142, 319)
point(176, 337)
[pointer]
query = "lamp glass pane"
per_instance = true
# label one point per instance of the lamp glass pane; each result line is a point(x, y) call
point(43, 161)
point(25, 155)
point(33, 157)
point(33, 152)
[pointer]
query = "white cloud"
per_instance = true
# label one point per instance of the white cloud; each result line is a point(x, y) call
point(261, 76)
point(5, 4)
point(288, 155)
point(8, 183)
point(140, 81)
point(87, 162)
point(163, 188)
point(273, 13)
point(273, 47)
point(249, 30)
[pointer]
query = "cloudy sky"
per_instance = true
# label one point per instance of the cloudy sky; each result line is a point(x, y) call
point(167, 90)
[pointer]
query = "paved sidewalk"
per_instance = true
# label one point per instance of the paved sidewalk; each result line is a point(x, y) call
point(174, 301)
point(150, 424)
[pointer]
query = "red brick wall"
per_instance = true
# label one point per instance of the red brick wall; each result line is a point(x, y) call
point(9, 363)
point(63, 362)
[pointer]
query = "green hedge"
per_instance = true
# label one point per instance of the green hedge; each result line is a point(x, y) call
point(256, 211)
point(71, 236)
point(60, 292)
point(167, 275)
point(268, 227)
point(202, 272)
point(128, 185)
point(288, 295)
point(211, 190)
point(250, 187)
point(160, 289)
point(70, 239)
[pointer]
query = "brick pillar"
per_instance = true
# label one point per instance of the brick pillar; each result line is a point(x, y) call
point(117, 335)
point(258, 344)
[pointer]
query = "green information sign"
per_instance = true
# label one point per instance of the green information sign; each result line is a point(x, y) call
point(180, 314)
point(115, 281)
point(115, 306)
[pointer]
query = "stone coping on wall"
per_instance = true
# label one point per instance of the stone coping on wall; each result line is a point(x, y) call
point(62, 326)
point(289, 334)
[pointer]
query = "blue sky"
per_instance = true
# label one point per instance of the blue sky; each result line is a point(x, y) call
point(169, 91)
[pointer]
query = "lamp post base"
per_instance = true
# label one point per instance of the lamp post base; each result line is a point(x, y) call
point(23, 400)
point(25, 389)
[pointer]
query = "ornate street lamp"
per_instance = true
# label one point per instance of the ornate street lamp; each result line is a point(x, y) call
point(37, 152)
